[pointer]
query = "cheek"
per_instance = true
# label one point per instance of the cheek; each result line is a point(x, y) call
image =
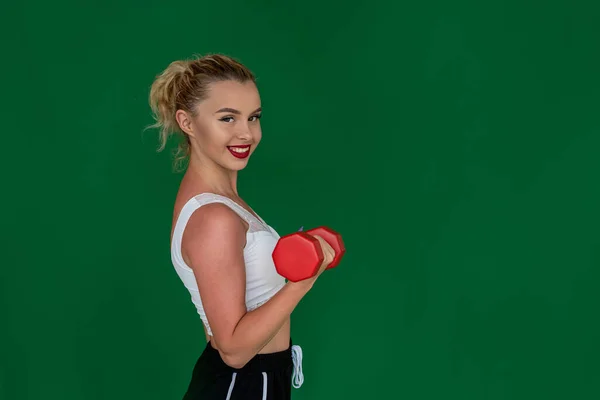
point(257, 135)
point(214, 137)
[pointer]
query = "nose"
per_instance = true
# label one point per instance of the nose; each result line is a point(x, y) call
point(244, 134)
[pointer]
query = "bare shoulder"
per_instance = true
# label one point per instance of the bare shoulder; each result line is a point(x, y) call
point(214, 225)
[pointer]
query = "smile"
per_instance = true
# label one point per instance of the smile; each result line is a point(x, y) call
point(239, 151)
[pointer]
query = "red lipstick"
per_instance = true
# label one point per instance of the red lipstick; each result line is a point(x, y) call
point(241, 151)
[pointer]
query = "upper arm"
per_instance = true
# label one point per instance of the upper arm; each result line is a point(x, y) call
point(213, 244)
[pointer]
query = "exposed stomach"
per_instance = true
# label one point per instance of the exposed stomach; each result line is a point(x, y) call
point(279, 342)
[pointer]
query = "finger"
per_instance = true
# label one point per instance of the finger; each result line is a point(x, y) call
point(330, 256)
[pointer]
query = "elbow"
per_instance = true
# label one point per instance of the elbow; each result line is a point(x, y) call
point(232, 353)
point(234, 361)
point(232, 356)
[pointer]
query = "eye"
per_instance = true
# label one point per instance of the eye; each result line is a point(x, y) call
point(226, 119)
point(256, 117)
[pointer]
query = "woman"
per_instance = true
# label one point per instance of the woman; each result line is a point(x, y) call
point(221, 249)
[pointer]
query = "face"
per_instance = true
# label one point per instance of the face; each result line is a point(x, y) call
point(226, 128)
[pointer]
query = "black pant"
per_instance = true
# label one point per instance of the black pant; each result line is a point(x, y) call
point(266, 376)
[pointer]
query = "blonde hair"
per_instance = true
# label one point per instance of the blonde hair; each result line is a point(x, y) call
point(182, 86)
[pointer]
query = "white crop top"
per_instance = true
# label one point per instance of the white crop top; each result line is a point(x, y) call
point(262, 279)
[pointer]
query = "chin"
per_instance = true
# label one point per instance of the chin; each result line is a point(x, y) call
point(236, 165)
point(239, 167)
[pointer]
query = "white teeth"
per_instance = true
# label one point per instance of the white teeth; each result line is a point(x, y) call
point(240, 150)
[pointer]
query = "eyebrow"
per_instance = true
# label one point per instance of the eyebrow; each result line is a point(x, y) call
point(234, 111)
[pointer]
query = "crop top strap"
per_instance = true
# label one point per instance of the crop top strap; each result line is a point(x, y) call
point(207, 198)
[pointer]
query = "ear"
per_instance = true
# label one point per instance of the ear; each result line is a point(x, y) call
point(185, 122)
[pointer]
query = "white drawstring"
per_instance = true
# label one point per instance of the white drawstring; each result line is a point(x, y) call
point(264, 386)
point(231, 385)
point(297, 376)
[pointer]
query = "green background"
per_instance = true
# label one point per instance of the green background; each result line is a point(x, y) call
point(455, 145)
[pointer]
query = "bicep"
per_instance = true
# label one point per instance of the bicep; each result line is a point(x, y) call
point(214, 242)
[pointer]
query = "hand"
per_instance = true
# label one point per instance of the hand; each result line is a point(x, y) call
point(328, 255)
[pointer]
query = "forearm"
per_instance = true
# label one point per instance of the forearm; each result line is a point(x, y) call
point(257, 327)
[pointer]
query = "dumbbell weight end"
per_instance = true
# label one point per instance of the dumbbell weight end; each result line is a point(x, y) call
point(297, 256)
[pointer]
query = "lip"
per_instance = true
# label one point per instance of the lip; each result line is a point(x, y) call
point(240, 155)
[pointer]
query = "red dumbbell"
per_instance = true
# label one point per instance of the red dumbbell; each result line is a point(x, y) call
point(298, 256)
point(335, 241)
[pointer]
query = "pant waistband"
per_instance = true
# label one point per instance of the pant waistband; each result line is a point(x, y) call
point(259, 363)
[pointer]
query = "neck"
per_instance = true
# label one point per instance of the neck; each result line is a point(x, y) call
point(218, 179)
